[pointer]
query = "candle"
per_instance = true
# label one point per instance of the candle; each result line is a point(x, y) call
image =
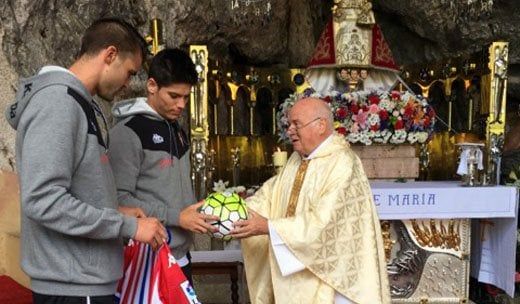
point(279, 158)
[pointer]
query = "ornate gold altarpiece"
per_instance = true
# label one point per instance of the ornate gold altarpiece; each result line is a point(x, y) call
point(428, 259)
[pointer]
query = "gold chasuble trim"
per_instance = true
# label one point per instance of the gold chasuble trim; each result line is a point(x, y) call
point(297, 187)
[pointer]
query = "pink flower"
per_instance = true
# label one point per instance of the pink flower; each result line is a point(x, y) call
point(354, 128)
point(373, 109)
point(361, 118)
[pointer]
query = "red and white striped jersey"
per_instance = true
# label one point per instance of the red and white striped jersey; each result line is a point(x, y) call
point(153, 277)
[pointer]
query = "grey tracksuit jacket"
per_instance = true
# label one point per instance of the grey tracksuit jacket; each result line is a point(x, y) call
point(71, 233)
point(150, 158)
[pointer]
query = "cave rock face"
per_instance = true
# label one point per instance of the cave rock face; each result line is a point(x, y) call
point(39, 32)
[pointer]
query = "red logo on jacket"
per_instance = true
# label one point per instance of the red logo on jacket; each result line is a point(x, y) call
point(165, 162)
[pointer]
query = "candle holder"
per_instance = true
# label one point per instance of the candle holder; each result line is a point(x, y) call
point(470, 163)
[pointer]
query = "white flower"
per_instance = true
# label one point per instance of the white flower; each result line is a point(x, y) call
point(239, 189)
point(412, 137)
point(220, 186)
point(422, 137)
point(373, 119)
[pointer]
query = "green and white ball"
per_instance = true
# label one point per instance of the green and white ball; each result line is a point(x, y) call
point(229, 207)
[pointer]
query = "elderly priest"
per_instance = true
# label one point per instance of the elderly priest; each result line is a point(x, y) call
point(313, 235)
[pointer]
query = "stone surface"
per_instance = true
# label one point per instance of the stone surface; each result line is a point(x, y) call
point(10, 228)
point(388, 161)
point(8, 80)
point(425, 31)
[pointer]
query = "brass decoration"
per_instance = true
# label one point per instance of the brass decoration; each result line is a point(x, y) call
point(433, 236)
point(235, 158)
point(275, 81)
point(252, 80)
point(233, 88)
point(495, 129)
point(199, 128)
point(387, 239)
point(198, 166)
point(155, 38)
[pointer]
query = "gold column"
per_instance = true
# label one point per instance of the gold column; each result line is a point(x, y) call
point(199, 128)
point(496, 122)
point(155, 38)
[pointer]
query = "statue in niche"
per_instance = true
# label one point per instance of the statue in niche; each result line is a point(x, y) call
point(223, 116)
point(474, 101)
point(242, 115)
point(263, 110)
point(459, 107)
point(499, 81)
point(438, 101)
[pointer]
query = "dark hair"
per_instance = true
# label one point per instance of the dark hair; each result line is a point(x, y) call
point(171, 66)
point(112, 31)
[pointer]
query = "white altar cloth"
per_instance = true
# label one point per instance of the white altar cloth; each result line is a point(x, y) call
point(493, 258)
point(446, 199)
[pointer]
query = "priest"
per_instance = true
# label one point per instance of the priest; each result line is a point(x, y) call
point(313, 234)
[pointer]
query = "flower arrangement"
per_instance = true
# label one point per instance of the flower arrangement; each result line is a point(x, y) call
point(368, 117)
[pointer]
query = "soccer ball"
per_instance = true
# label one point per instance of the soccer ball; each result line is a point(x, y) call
point(230, 207)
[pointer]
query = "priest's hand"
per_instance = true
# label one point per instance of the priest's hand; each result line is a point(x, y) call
point(191, 219)
point(254, 225)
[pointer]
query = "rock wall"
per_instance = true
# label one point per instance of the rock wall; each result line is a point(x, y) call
point(34, 33)
point(8, 80)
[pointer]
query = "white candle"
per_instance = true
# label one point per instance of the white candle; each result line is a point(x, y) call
point(279, 158)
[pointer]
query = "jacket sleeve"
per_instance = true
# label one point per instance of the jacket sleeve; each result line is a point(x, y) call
point(51, 147)
point(126, 155)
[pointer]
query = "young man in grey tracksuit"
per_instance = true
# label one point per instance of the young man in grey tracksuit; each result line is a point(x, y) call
point(72, 227)
point(150, 152)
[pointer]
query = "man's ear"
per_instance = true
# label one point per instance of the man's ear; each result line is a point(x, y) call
point(323, 126)
point(110, 54)
point(151, 86)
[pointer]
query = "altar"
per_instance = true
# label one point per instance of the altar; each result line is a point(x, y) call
point(438, 246)
point(436, 234)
